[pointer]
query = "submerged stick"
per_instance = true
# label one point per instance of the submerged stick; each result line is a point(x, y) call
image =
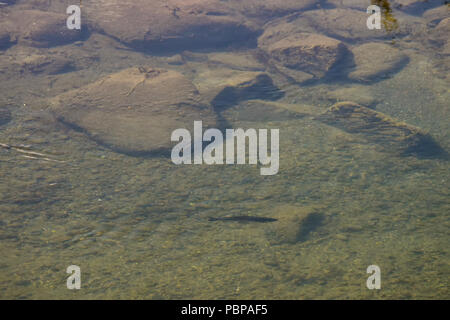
point(29, 154)
point(45, 159)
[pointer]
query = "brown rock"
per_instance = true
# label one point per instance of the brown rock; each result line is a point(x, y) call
point(175, 60)
point(294, 223)
point(349, 24)
point(160, 25)
point(375, 60)
point(135, 110)
point(43, 64)
point(376, 127)
point(38, 28)
point(436, 14)
point(311, 53)
point(270, 8)
point(350, 4)
point(439, 35)
point(415, 6)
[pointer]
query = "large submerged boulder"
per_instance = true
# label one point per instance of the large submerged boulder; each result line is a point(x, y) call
point(392, 135)
point(160, 25)
point(340, 23)
point(26, 60)
point(135, 110)
point(376, 60)
point(36, 28)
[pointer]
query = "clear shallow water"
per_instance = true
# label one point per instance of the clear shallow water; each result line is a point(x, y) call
point(138, 226)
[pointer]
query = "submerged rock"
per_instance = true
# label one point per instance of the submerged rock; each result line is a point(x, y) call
point(375, 60)
point(352, 4)
point(38, 28)
point(135, 110)
point(435, 15)
point(376, 127)
point(340, 23)
point(43, 64)
point(20, 61)
point(224, 88)
point(294, 223)
point(439, 36)
point(416, 6)
point(311, 53)
point(265, 9)
point(161, 25)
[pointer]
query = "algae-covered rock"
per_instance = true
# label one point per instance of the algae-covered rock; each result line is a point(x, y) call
point(294, 223)
point(225, 87)
point(135, 110)
point(160, 25)
point(376, 127)
point(375, 60)
point(311, 53)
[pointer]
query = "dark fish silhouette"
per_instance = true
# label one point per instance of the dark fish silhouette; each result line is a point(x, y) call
point(244, 219)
